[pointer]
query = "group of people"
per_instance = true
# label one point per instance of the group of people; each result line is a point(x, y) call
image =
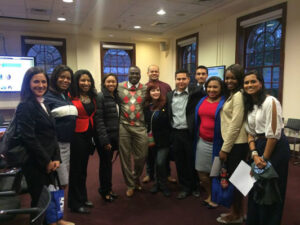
point(62, 121)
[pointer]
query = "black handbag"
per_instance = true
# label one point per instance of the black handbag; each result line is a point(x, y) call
point(12, 150)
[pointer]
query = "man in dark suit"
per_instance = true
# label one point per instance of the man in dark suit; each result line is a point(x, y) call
point(201, 76)
point(181, 107)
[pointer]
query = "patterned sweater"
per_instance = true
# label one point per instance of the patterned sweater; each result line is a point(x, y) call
point(132, 99)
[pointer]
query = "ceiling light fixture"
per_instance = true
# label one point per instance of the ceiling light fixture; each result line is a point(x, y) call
point(137, 27)
point(161, 12)
point(68, 1)
point(61, 19)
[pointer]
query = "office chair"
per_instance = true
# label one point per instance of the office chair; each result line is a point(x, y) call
point(37, 213)
point(294, 138)
point(10, 185)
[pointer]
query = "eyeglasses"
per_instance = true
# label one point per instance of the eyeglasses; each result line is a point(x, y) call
point(200, 73)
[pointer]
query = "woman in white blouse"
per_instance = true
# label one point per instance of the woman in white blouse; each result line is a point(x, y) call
point(267, 143)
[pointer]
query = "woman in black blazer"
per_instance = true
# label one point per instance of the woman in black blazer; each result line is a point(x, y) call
point(156, 118)
point(107, 127)
point(36, 129)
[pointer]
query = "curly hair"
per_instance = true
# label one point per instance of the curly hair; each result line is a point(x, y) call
point(75, 85)
point(148, 100)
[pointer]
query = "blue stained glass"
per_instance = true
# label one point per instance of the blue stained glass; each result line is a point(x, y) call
point(276, 71)
point(277, 57)
point(106, 70)
point(269, 41)
point(118, 61)
point(113, 70)
point(268, 58)
point(267, 85)
point(267, 74)
point(260, 28)
point(121, 70)
point(271, 25)
point(259, 45)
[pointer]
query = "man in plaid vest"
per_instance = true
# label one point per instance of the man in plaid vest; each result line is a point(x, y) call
point(133, 133)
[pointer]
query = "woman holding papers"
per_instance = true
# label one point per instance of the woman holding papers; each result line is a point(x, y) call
point(268, 146)
point(235, 147)
point(207, 118)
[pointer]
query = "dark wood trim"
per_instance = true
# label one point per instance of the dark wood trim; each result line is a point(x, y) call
point(282, 50)
point(103, 51)
point(63, 48)
point(241, 42)
point(178, 53)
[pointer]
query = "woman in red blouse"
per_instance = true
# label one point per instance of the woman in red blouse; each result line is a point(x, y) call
point(208, 130)
point(82, 144)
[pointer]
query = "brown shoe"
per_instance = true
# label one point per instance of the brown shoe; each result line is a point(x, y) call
point(146, 179)
point(64, 222)
point(172, 180)
point(129, 192)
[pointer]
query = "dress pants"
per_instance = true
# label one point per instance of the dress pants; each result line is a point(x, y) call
point(184, 159)
point(105, 170)
point(36, 179)
point(81, 148)
point(133, 142)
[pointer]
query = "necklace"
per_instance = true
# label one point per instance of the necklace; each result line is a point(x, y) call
point(85, 99)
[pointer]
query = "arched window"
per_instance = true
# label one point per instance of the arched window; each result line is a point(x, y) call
point(48, 52)
point(260, 45)
point(187, 54)
point(116, 58)
point(263, 53)
point(117, 61)
point(46, 57)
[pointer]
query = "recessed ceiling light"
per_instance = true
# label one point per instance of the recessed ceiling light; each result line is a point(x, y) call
point(61, 19)
point(149, 38)
point(68, 1)
point(137, 27)
point(161, 12)
point(111, 35)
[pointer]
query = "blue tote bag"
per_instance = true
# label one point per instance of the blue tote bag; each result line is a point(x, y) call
point(55, 210)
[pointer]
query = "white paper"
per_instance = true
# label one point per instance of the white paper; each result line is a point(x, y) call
point(216, 167)
point(242, 179)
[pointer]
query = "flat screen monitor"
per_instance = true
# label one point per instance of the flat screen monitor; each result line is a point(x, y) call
point(12, 71)
point(216, 71)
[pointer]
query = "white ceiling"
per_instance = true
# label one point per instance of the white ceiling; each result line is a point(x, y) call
point(107, 18)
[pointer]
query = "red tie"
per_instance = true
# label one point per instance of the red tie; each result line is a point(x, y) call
point(132, 88)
